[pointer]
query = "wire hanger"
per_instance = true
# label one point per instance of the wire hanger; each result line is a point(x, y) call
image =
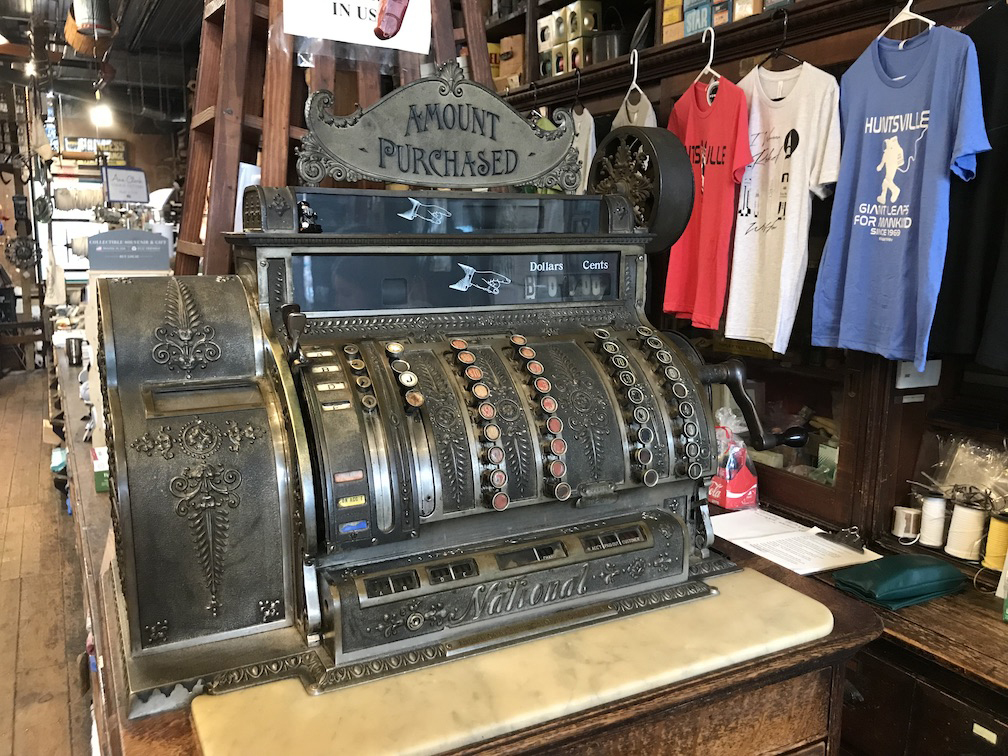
point(708, 69)
point(634, 87)
point(902, 17)
point(779, 51)
point(578, 107)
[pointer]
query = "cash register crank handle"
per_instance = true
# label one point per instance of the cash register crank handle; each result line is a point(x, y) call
point(295, 321)
point(732, 373)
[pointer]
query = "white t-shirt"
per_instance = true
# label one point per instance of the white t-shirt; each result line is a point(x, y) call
point(635, 114)
point(794, 137)
point(584, 141)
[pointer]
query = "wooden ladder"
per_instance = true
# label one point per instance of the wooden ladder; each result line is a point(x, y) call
point(244, 53)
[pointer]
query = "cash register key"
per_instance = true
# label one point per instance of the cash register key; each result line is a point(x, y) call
point(394, 349)
point(643, 457)
point(414, 398)
point(558, 447)
point(691, 429)
point(645, 435)
point(351, 350)
point(498, 479)
point(610, 347)
point(535, 367)
point(358, 366)
point(680, 390)
point(561, 491)
point(369, 402)
point(526, 353)
point(400, 366)
point(654, 343)
point(601, 334)
point(459, 344)
point(473, 373)
point(650, 478)
point(644, 332)
point(619, 361)
point(491, 432)
point(542, 385)
point(480, 390)
point(556, 468)
point(627, 378)
point(495, 456)
point(672, 374)
point(635, 395)
point(408, 379)
point(466, 357)
point(641, 415)
point(518, 340)
point(500, 501)
point(487, 411)
point(664, 356)
point(363, 382)
point(693, 449)
point(695, 471)
point(554, 425)
point(548, 404)
point(686, 409)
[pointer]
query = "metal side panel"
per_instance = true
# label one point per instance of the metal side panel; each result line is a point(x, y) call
point(200, 463)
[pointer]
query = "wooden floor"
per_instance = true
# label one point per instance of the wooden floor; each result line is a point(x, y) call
point(42, 710)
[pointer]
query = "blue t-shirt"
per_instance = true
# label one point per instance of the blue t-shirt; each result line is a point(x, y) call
point(910, 117)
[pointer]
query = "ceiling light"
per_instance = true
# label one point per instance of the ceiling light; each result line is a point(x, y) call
point(101, 115)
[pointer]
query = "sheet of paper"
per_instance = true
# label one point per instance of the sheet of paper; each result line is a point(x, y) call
point(785, 542)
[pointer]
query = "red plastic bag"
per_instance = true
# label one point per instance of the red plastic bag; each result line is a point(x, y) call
point(734, 485)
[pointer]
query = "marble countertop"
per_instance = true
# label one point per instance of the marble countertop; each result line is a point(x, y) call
point(479, 697)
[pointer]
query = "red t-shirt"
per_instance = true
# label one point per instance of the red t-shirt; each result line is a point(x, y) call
point(717, 142)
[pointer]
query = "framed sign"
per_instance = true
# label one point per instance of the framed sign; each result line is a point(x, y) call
point(124, 184)
point(128, 250)
point(114, 150)
point(397, 24)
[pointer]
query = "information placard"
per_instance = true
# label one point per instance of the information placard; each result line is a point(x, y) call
point(124, 184)
point(123, 249)
point(396, 24)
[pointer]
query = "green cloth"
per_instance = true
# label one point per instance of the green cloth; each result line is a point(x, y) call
point(900, 580)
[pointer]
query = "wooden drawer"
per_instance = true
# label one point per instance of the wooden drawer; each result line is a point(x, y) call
point(878, 699)
point(941, 723)
point(777, 718)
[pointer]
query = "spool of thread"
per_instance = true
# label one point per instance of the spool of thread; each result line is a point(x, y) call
point(906, 524)
point(997, 543)
point(932, 532)
point(966, 532)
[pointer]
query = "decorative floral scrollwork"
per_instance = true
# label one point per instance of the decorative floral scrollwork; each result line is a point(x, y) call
point(156, 634)
point(240, 434)
point(183, 342)
point(270, 609)
point(452, 76)
point(204, 495)
point(160, 442)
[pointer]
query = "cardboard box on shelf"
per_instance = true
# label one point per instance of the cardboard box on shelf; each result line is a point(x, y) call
point(512, 55)
point(672, 33)
point(545, 29)
point(494, 49)
point(545, 64)
point(559, 59)
point(579, 53)
point(672, 15)
point(745, 8)
point(771, 4)
point(503, 83)
point(559, 27)
point(690, 4)
point(100, 462)
point(721, 13)
point(583, 18)
point(695, 20)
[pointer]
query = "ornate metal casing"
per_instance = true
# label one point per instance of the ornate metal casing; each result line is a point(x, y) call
point(413, 426)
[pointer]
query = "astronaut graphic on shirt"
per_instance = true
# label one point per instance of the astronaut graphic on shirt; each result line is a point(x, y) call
point(892, 161)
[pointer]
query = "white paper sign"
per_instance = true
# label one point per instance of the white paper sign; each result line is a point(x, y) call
point(362, 22)
point(124, 184)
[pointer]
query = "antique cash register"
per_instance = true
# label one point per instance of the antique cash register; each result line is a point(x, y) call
point(416, 424)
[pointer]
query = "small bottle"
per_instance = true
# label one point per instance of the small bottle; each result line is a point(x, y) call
point(390, 16)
